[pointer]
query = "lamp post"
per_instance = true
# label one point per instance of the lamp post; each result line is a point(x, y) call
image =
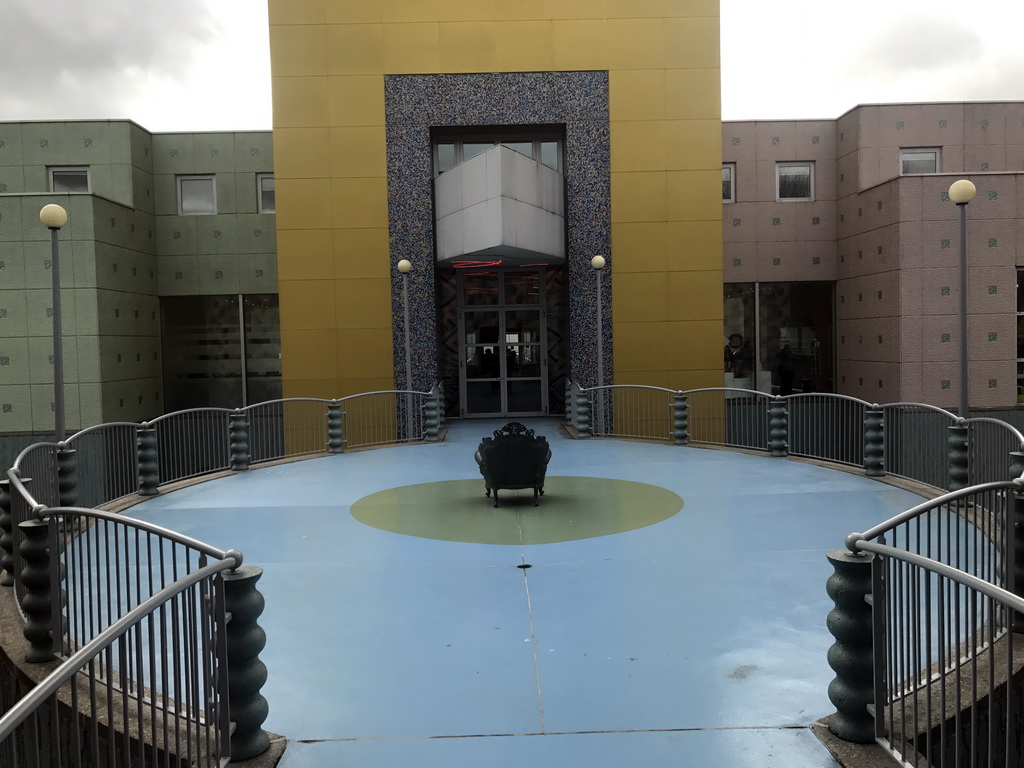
point(53, 218)
point(598, 263)
point(962, 192)
point(404, 267)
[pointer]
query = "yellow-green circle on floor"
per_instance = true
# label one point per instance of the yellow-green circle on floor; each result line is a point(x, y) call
point(571, 508)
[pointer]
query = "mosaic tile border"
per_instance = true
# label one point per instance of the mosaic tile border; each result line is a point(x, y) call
point(415, 103)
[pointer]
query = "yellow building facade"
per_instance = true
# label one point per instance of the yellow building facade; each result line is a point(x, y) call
point(375, 100)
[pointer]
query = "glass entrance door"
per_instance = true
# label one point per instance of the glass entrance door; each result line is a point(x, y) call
point(502, 343)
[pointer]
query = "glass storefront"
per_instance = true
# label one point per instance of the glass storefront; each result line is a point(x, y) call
point(779, 337)
point(220, 351)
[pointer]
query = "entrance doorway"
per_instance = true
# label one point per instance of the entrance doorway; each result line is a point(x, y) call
point(502, 343)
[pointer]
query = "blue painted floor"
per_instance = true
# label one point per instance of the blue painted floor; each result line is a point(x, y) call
point(697, 641)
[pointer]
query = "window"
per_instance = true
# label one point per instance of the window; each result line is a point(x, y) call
point(794, 181)
point(69, 179)
point(729, 183)
point(449, 152)
point(197, 195)
point(920, 160)
point(265, 191)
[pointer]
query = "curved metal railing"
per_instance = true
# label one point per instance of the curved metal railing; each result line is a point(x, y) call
point(132, 695)
point(910, 440)
point(945, 606)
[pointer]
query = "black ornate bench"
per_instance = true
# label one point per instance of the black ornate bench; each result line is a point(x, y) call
point(513, 459)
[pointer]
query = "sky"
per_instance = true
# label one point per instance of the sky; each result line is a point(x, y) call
point(203, 65)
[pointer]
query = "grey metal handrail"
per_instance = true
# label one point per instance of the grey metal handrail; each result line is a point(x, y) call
point(157, 706)
point(853, 540)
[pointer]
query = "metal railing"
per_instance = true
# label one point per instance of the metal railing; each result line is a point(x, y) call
point(911, 440)
point(943, 616)
point(943, 596)
point(133, 695)
point(137, 610)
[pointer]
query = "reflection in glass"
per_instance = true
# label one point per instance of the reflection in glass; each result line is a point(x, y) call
point(522, 147)
point(522, 288)
point(524, 396)
point(482, 327)
point(522, 360)
point(483, 397)
point(480, 288)
point(522, 325)
point(482, 362)
point(445, 156)
point(549, 154)
point(474, 148)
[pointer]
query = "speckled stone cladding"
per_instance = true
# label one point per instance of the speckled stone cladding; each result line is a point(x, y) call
point(576, 100)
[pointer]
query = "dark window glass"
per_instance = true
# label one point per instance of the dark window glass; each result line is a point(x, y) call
point(69, 180)
point(794, 182)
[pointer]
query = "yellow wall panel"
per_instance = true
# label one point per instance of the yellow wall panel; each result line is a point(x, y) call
point(642, 247)
point(412, 48)
point(299, 102)
point(355, 100)
point(642, 346)
point(695, 195)
point(301, 49)
point(353, 11)
point(636, 44)
point(370, 348)
point(310, 254)
point(693, 94)
point(524, 45)
point(326, 387)
point(502, 10)
point(638, 145)
point(361, 253)
point(641, 297)
point(693, 144)
point(309, 303)
point(639, 196)
point(580, 9)
point(354, 385)
point(662, 59)
point(468, 46)
point(692, 43)
point(696, 379)
point(299, 153)
point(581, 44)
point(414, 10)
point(303, 204)
point(693, 343)
point(309, 354)
point(695, 244)
point(360, 202)
point(694, 295)
point(297, 12)
point(360, 152)
point(637, 95)
point(364, 303)
point(355, 49)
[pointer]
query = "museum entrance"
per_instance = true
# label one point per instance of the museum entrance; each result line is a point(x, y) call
point(502, 342)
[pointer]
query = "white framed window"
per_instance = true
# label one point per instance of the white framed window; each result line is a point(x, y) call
point(728, 182)
point(265, 192)
point(71, 178)
point(919, 160)
point(794, 181)
point(197, 195)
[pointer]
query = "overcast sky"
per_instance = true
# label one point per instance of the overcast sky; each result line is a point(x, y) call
point(203, 64)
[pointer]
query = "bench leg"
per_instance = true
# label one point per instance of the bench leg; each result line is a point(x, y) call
point(536, 503)
point(495, 497)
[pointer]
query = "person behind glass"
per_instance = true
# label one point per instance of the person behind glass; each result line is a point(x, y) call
point(785, 364)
